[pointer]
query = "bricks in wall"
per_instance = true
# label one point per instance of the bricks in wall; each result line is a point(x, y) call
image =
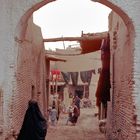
point(122, 77)
point(12, 11)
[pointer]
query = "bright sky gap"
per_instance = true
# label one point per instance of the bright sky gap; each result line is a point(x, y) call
point(68, 18)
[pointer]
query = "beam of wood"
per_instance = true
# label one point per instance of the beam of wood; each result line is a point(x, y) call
point(84, 37)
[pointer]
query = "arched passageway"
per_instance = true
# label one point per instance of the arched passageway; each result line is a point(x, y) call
point(21, 37)
point(115, 33)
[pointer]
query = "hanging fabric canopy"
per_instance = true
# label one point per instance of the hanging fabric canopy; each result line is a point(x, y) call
point(66, 77)
point(90, 45)
point(103, 88)
point(105, 54)
point(90, 42)
point(74, 78)
point(86, 76)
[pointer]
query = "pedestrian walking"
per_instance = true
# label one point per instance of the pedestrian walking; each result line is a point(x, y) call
point(34, 125)
point(53, 116)
point(77, 101)
point(75, 115)
point(70, 111)
point(58, 108)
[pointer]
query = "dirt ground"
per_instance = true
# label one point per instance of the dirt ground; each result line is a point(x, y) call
point(85, 129)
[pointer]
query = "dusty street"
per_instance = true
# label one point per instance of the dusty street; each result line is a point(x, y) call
point(85, 129)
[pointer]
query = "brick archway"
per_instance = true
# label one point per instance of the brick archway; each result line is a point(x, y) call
point(22, 25)
point(127, 20)
point(125, 17)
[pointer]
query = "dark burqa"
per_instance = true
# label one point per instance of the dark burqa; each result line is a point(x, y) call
point(34, 126)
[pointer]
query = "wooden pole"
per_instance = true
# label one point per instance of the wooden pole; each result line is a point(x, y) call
point(84, 37)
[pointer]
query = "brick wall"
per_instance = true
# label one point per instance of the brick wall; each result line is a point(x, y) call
point(12, 11)
point(123, 106)
point(30, 71)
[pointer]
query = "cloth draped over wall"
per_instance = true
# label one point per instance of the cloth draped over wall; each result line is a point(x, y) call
point(34, 126)
point(103, 88)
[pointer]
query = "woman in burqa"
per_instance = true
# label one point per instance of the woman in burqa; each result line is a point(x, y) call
point(34, 126)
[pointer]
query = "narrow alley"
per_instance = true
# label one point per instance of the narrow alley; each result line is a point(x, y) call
point(85, 129)
point(70, 57)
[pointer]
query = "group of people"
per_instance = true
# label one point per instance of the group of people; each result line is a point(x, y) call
point(73, 112)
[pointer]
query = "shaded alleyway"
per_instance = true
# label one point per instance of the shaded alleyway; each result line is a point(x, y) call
point(86, 128)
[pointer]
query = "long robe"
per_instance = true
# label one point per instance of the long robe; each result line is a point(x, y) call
point(34, 126)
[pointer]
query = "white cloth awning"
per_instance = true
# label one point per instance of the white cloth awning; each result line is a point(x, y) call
point(80, 63)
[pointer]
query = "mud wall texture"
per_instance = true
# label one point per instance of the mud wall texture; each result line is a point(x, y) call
point(122, 106)
point(15, 41)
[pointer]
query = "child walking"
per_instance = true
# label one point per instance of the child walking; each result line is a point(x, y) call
point(53, 116)
point(70, 111)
